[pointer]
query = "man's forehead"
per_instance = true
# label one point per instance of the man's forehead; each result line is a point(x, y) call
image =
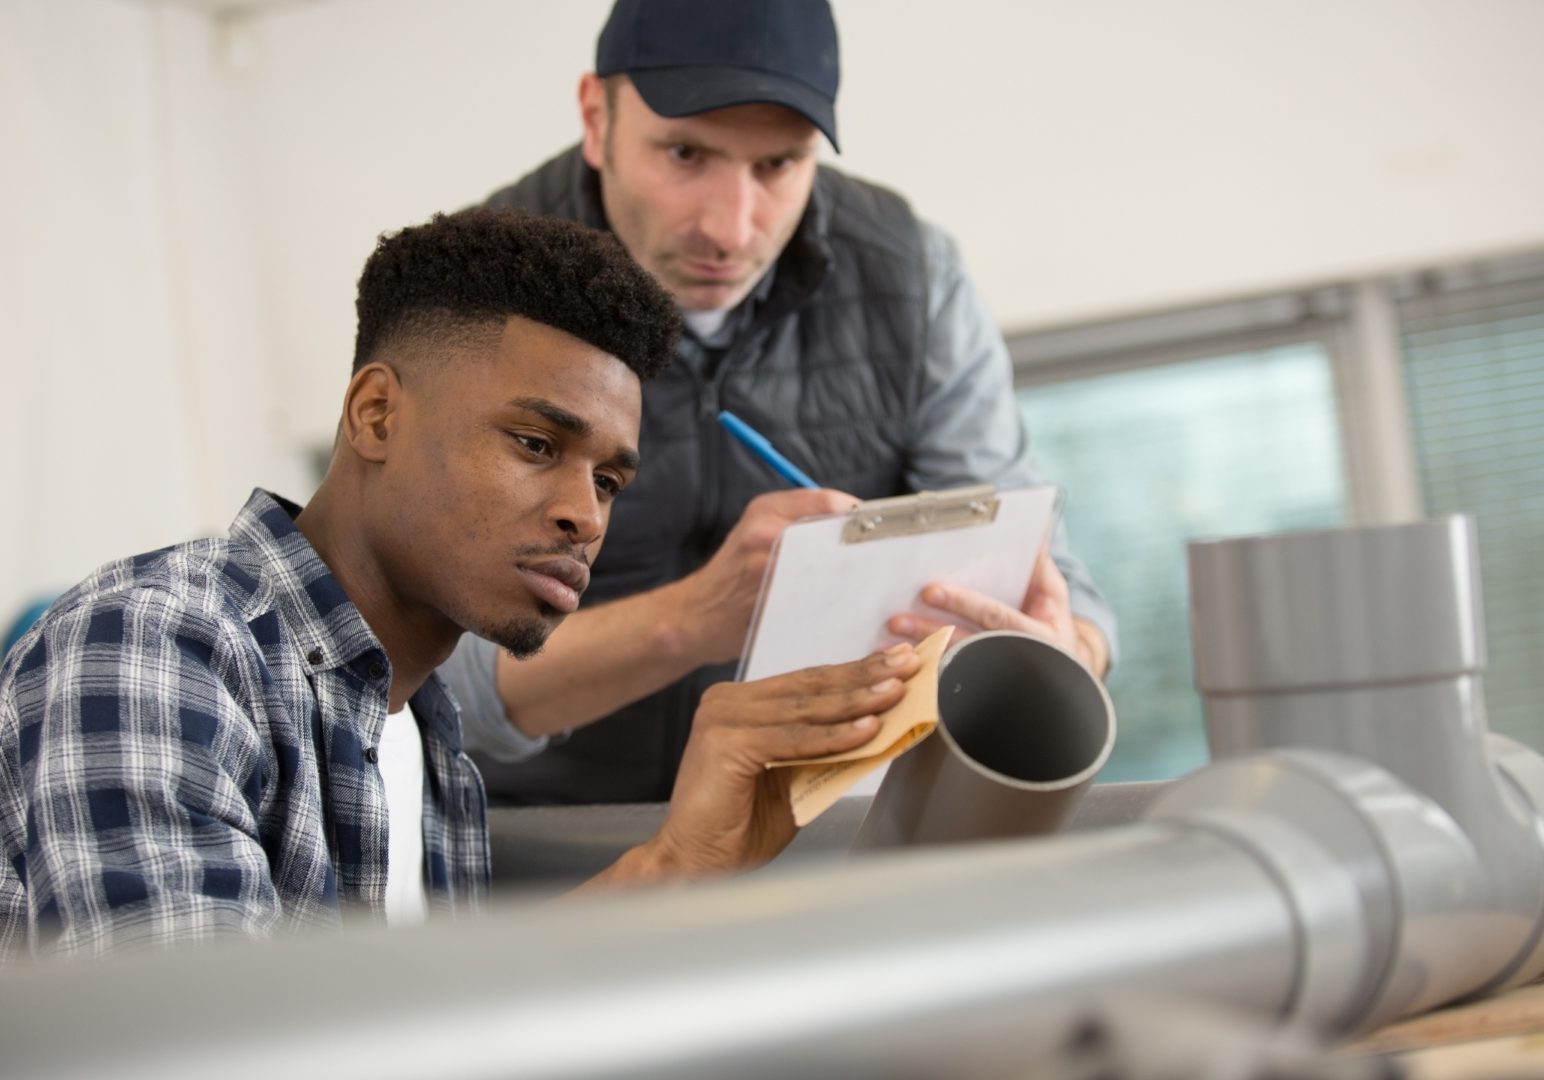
point(531, 348)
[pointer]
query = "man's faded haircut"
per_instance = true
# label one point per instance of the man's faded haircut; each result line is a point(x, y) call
point(458, 278)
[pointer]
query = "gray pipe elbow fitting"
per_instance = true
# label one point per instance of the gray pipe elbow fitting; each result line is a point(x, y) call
point(1367, 643)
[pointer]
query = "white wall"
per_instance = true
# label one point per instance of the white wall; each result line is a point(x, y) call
point(189, 203)
point(94, 409)
point(136, 396)
point(1095, 158)
point(1141, 154)
point(366, 115)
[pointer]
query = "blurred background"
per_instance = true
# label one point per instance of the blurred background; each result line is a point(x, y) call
point(1262, 264)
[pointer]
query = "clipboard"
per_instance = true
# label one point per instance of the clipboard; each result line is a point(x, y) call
point(833, 581)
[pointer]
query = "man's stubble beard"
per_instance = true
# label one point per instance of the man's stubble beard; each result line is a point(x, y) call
point(524, 635)
point(521, 638)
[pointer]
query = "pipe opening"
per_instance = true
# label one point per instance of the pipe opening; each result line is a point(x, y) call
point(1025, 710)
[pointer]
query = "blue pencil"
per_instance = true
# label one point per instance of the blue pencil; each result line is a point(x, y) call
point(757, 443)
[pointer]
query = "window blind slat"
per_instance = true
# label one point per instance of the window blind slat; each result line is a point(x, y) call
point(1474, 365)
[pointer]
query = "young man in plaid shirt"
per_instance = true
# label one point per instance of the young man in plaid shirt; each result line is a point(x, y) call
point(246, 735)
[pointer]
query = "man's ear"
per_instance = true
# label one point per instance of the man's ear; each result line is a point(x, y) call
point(595, 116)
point(371, 408)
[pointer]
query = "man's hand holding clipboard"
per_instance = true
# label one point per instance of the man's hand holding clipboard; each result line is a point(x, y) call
point(1046, 612)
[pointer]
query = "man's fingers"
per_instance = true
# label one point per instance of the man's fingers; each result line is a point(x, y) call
point(793, 503)
point(1046, 609)
point(968, 604)
point(768, 514)
point(1047, 582)
point(897, 662)
point(1039, 621)
point(782, 729)
point(820, 695)
point(832, 706)
point(788, 742)
point(915, 627)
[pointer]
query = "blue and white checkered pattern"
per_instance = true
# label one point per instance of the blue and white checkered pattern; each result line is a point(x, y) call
point(184, 751)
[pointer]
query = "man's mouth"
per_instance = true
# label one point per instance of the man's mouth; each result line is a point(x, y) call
point(715, 273)
point(558, 580)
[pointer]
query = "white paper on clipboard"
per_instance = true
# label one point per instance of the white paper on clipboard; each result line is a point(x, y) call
point(825, 601)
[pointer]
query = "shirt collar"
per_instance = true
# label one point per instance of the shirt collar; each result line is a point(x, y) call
point(740, 316)
point(332, 631)
point(309, 597)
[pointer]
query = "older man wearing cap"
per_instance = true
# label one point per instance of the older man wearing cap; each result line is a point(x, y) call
point(819, 309)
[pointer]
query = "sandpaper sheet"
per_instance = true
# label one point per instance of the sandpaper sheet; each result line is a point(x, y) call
point(818, 782)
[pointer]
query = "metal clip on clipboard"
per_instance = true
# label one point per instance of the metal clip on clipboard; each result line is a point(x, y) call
point(924, 512)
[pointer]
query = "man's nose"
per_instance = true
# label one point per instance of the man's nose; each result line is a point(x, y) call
point(728, 213)
point(576, 508)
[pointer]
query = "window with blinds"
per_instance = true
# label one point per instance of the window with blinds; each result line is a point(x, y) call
point(1154, 456)
point(1474, 371)
point(1239, 418)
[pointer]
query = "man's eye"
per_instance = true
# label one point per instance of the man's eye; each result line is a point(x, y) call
point(534, 444)
point(682, 153)
point(609, 485)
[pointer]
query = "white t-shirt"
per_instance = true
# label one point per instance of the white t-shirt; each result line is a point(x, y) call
point(705, 323)
point(401, 761)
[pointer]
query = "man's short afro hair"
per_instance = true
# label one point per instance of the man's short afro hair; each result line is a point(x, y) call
point(461, 273)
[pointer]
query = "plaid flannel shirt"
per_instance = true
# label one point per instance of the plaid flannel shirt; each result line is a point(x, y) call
point(187, 748)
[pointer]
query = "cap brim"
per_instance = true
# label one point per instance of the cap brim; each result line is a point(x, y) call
point(687, 91)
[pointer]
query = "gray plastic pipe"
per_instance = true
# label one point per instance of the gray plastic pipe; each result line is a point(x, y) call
point(1023, 728)
point(1370, 642)
point(948, 961)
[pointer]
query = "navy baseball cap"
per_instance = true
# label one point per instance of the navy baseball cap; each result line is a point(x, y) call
point(691, 56)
